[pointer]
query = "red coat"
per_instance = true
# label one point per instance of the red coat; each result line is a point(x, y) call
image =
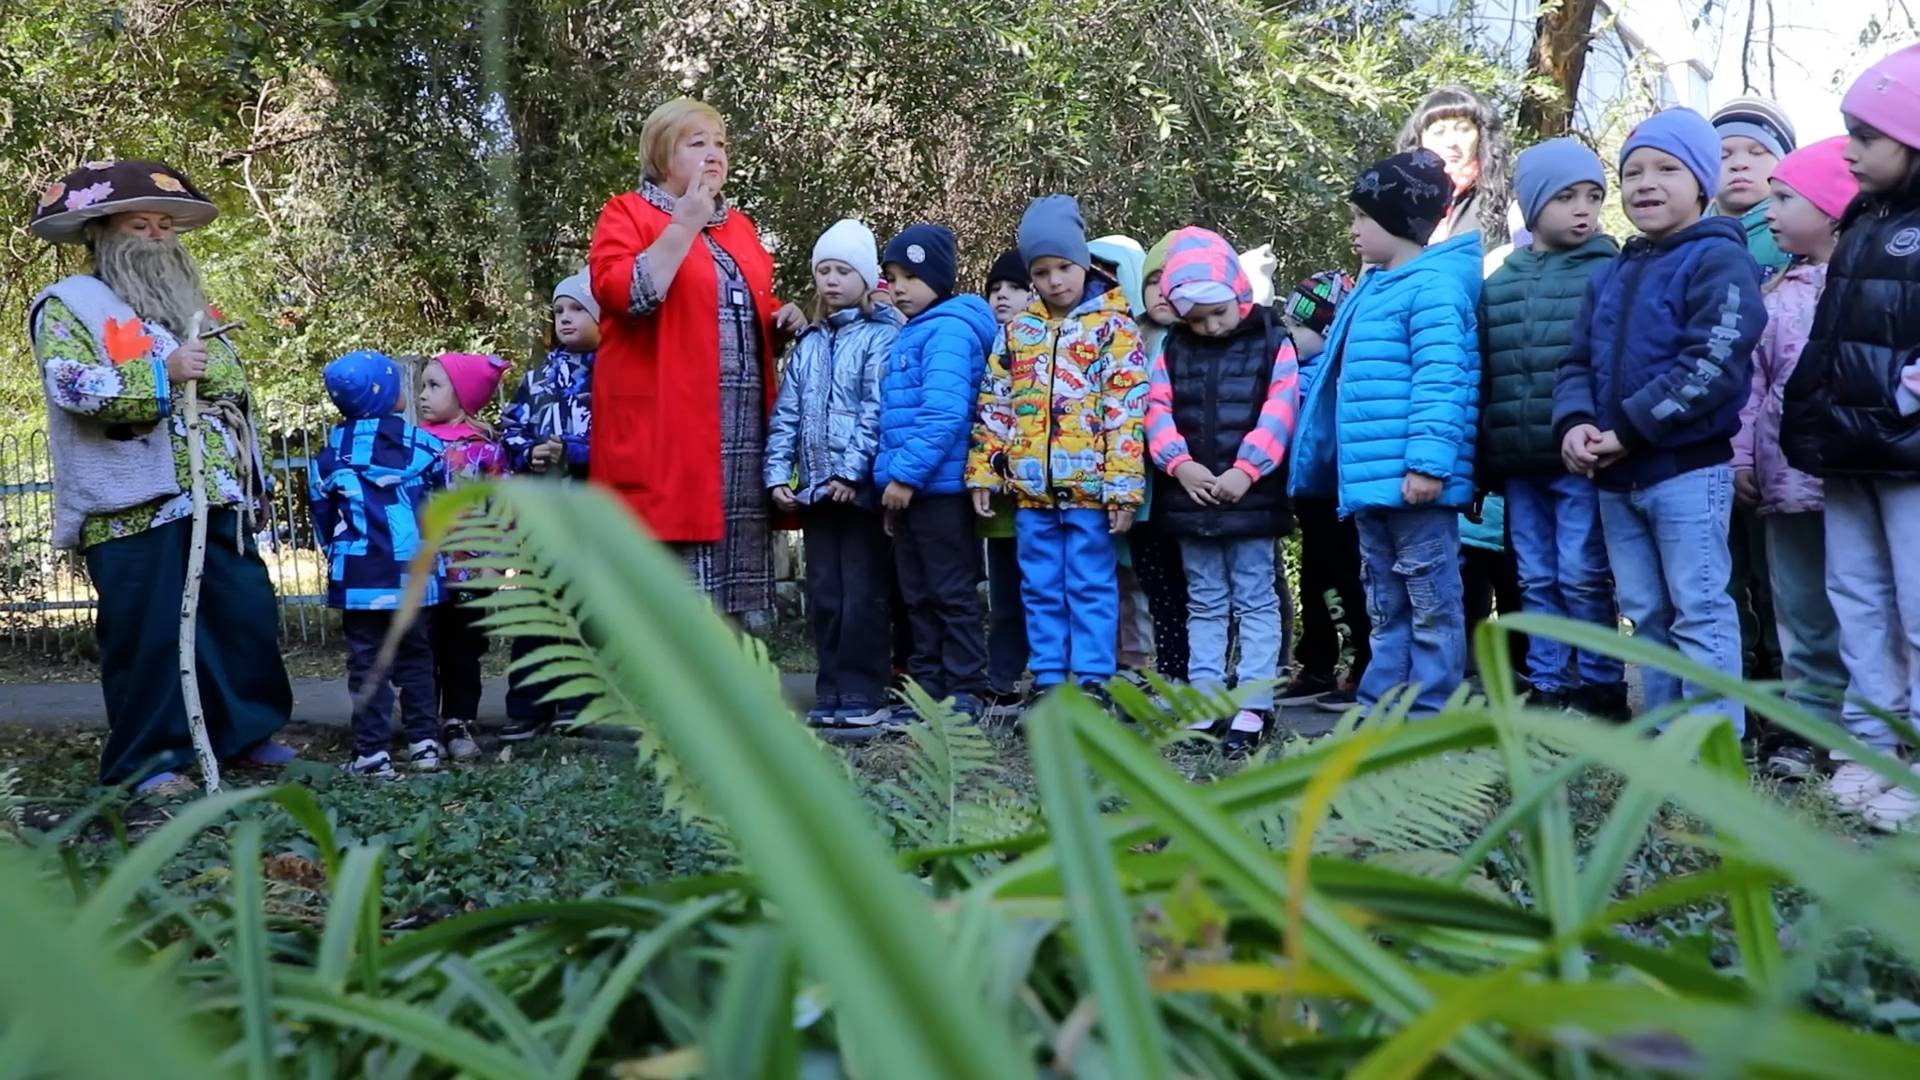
point(656, 379)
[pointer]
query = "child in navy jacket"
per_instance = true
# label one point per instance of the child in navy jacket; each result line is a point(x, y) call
point(544, 432)
point(926, 414)
point(1648, 399)
point(366, 487)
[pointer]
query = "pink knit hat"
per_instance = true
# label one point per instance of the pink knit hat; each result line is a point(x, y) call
point(475, 376)
point(1887, 96)
point(1820, 175)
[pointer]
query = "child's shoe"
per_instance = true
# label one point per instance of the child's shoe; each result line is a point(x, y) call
point(1306, 688)
point(862, 716)
point(1244, 732)
point(1549, 700)
point(522, 728)
point(968, 706)
point(1852, 786)
point(1790, 761)
point(461, 745)
point(1004, 705)
point(1892, 809)
point(1338, 701)
point(374, 766)
point(825, 713)
point(424, 756)
point(1602, 701)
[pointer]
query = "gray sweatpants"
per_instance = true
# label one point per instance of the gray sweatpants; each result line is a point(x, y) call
point(1873, 582)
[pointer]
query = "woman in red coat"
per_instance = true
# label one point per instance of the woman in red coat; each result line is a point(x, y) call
point(684, 379)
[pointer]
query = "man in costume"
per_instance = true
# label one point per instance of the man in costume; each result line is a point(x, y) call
point(117, 348)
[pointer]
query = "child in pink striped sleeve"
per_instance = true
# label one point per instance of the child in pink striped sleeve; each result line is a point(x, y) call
point(1221, 405)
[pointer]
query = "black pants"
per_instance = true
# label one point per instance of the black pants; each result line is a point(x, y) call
point(938, 557)
point(525, 689)
point(458, 646)
point(1163, 577)
point(1332, 601)
point(411, 674)
point(1490, 582)
point(847, 605)
point(1751, 587)
point(900, 627)
point(244, 693)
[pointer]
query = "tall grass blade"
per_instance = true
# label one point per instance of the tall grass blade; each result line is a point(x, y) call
point(250, 953)
point(1103, 925)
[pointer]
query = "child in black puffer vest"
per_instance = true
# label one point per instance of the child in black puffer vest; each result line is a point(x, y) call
point(1852, 418)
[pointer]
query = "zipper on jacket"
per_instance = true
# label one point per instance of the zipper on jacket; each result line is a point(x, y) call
point(1046, 447)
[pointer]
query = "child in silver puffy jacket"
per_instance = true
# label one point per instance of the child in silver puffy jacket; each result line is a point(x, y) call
point(820, 447)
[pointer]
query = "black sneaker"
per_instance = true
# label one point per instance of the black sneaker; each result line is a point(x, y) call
point(1240, 738)
point(1549, 700)
point(522, 728)
point(1602, 701)
point(1337, 701)
point(1306, 689)
point(1790, 761)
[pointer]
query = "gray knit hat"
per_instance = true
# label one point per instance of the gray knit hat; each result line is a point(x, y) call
point(1758, 119)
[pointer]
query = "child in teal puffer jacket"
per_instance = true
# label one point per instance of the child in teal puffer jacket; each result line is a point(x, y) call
point(1389, 420)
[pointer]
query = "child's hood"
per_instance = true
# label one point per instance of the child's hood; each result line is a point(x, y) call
point(398, 452)
point(969, 313)
point(1129, 261)
point(883, 315)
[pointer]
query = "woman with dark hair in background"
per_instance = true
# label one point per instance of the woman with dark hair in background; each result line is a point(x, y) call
point(1469, 134)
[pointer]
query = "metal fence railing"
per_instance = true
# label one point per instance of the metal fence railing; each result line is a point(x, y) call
point(45, 598)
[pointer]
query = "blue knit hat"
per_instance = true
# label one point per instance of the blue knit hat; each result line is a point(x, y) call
point(1053, 226)
point(363, 383)
point(1544, 171)
point(927, 252)
point(1686, 135)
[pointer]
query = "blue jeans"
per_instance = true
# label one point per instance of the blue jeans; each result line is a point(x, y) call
point(1006, 619)
point(1069, 583)
point(1554, 524)
point(1410, 561)
point(1668, 545)
point(1233, 580)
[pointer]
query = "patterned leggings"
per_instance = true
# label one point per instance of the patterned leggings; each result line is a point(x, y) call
point(1163, 577)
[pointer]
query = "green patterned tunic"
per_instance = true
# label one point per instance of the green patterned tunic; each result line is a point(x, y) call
point(82, 380)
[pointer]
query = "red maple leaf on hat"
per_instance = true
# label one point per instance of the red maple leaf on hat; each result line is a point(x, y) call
point(127, 340)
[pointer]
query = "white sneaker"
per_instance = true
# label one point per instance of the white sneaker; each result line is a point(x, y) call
point(460, 741)
point(424, 756)
point(881, 716)
point(1853, 786)
point(375, 766)
point(1891, 809)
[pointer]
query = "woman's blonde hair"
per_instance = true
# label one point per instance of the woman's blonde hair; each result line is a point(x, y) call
point(664, 127)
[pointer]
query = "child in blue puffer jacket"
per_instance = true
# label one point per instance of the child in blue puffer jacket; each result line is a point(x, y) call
point(1389, 422)
point(927, 400)
point(1648, 399)
point(820, 447)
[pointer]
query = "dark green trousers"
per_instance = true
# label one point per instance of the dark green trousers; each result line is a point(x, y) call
point(243, 681)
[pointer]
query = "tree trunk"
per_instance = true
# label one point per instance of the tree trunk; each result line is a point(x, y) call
point(1561, 38)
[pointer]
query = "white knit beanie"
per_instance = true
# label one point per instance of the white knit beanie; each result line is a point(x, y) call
point(851, 243)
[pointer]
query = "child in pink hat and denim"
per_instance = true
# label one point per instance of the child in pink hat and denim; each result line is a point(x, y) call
point(1846, 420)
point(1809, 193)
point(454, 388)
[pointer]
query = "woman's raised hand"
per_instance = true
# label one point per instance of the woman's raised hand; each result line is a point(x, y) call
point(695, 208)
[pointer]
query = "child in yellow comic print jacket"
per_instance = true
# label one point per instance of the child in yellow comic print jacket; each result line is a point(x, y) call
point(1061, 428)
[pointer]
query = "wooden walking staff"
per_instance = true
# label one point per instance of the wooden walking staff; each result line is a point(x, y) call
point(190, 599)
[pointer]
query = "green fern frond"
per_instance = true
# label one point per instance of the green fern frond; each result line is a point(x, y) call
point(947, 792)
point(12, 808)
point(524, 596)
point(1438, 804)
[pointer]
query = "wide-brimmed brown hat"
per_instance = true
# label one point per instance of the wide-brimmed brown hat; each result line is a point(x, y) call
point(103, 188)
